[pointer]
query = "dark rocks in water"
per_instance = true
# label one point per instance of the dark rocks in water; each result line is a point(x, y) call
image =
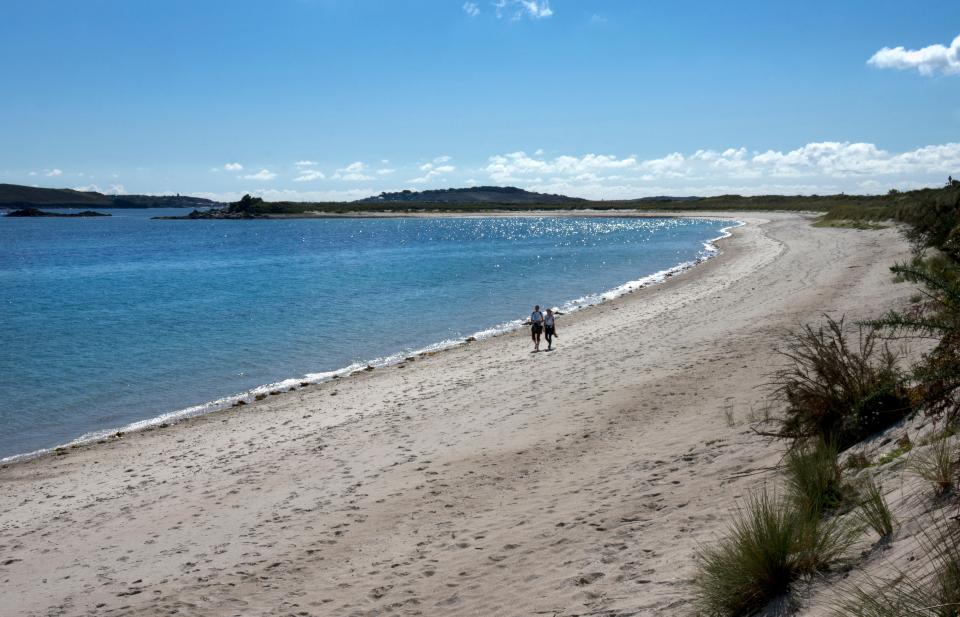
point(247, 208)
point(470, 339)
point(37, 213)
point(239, 403)
point(260, 397)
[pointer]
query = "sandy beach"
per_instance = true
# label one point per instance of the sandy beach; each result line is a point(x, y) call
point(483, 480)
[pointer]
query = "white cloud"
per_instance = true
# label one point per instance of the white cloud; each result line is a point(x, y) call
point(385, 171)
point(53, 173)
point(471, 9)
point(305, 163)
point(114, 189)
point(433, 171)
point(309, 175)
point(263, 175)
point(233, 167)
point(928, 60)
point(820, 167)
point(354, 172)
point(517, 9)
point(506, 167)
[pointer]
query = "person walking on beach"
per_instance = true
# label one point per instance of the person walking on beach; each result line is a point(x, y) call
point(536, 326)
point(549, 328)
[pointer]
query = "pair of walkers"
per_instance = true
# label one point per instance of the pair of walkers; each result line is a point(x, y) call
point(543, 324)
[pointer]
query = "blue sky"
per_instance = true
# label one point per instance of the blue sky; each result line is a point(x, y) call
point(338, 99)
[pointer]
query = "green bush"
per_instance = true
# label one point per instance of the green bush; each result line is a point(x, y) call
point(838, 391)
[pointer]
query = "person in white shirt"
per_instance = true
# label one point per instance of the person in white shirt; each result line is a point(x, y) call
point(536, 326)
point(549, 328)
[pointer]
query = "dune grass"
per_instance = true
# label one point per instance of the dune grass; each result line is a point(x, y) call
point(848, 224)
point(813, 477)
point(937, 465)
point(769, 545)
point(932, 589)
point(874, 511)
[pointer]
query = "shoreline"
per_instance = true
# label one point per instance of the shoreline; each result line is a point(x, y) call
point(290, 384)
point(484, 480)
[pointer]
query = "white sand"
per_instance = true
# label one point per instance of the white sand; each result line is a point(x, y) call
point(484, 480)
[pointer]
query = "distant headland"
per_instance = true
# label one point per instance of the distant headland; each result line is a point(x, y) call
point(34, 212)
point(15, 196)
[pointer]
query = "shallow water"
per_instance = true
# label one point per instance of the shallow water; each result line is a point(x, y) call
point(115, 320)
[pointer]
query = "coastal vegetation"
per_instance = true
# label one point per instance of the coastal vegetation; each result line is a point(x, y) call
point(844, 387)
point(839, 390)
point(861, 211)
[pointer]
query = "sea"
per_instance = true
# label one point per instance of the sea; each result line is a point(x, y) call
point(121, 322)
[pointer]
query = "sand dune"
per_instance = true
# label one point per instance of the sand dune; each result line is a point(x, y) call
point(484, 480)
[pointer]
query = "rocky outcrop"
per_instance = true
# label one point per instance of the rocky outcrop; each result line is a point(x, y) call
point(37, 213)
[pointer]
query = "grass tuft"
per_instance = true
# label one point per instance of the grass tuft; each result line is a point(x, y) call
point(936, 594)
point(813, 477)
point(847, 223)
point(936, 465)
point(873, 510)
point(768, 547)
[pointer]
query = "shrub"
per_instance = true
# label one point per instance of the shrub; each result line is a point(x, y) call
point(836, 391)
point(813, 477)
point(936, 465)
point(938, 318)
point(873, 510)
point(768, 547)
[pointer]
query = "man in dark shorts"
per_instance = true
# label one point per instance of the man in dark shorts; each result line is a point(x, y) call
point(536, 326)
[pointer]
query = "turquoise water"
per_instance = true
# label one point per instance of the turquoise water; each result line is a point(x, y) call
point(111, 321)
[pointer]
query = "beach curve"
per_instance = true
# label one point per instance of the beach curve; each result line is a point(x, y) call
point(484, 480)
